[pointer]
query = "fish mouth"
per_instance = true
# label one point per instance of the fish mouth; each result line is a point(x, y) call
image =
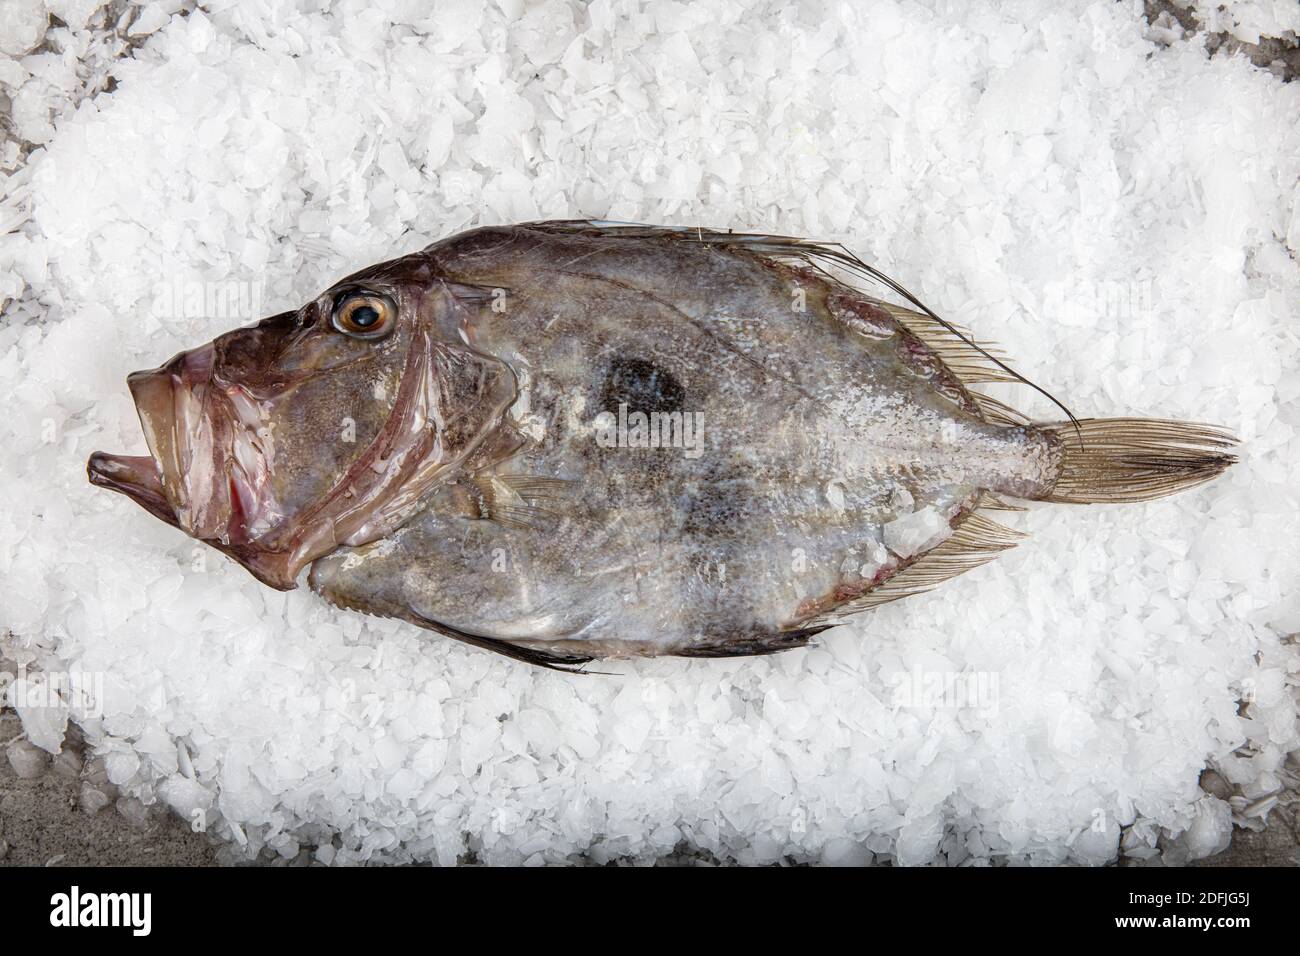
point(208, 468)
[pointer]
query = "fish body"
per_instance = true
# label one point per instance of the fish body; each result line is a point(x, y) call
point(573, 440)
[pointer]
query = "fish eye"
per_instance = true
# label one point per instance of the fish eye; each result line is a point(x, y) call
point(364, 315)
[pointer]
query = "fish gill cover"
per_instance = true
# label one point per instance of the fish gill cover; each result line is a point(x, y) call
point(1115, 206)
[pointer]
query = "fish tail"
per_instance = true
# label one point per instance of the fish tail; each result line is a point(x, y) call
point(1135, 459)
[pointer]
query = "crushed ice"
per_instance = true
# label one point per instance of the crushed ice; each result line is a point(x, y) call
point(1121, 215)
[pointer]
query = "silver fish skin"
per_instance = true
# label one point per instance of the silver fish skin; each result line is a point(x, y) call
point(572, 440)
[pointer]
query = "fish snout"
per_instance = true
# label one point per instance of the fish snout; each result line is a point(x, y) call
point(248, 355)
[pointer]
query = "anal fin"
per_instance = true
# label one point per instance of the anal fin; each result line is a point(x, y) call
point(974, 542)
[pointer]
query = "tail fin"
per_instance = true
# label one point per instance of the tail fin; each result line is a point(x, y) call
point(1136, 459)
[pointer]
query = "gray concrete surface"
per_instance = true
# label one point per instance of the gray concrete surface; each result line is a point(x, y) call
point(44, 821)
point(1280, 55)
point(1275, 845)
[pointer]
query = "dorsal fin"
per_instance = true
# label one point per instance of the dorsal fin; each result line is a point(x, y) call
point(969, 359)
point(996, 412)
point(822, 256)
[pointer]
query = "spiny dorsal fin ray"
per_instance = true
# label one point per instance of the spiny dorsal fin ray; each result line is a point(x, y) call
point(996, 412)
point(842, 257)
point(970, 359)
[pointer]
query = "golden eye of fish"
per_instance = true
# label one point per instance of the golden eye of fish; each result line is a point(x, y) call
point(365, 315)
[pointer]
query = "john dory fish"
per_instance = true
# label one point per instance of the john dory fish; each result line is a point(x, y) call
point(572, 440)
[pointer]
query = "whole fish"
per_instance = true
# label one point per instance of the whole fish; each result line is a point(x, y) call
point(571, 440)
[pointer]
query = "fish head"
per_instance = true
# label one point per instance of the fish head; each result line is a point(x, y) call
point(279, 442)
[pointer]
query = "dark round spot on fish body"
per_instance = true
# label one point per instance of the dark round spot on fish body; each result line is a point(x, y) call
point(642, 386)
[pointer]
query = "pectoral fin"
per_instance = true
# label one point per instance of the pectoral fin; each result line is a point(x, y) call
point(520, 501)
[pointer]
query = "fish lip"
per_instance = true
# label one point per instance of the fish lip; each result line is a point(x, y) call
point(136, 476)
